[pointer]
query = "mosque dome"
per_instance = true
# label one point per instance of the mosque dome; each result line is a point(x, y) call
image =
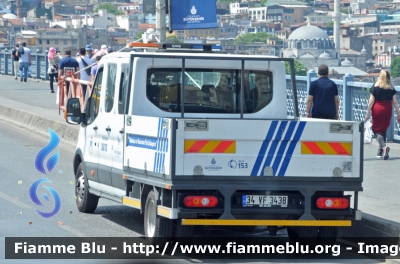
point(346, 63)
point(10, 16)
point(325, 55)
point(290, 54)
point(364, 51)
point(308, 32)
point(307, 56)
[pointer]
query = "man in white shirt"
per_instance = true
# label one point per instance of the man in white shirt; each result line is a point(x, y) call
point(84, 75)
point(25, 60)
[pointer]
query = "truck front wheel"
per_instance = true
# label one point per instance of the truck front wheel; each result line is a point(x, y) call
point(85, 201)
point(155, 226)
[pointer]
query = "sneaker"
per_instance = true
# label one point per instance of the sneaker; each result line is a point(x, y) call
point(52, 91)
point(25, 80)
point(22, 79)
point(386, 153)
point(380, 153)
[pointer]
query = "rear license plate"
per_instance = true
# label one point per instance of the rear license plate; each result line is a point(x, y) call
point(264, 200)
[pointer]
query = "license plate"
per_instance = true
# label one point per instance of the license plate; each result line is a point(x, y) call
point(264, 200)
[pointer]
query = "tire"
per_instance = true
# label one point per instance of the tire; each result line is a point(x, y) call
point(154, 226)
point(305, 235)
point(327, 235)
point(85, 201)
point(323, 235)
point(183, 231)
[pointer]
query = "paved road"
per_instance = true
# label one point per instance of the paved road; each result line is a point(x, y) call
point(19, 218)
point(381, 184)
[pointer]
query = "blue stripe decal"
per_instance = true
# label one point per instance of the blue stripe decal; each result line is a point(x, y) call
point(263, 148)
point(291, 148)
point(162, 147)
point(156, 154)
point(282, 147)
point(274, 144)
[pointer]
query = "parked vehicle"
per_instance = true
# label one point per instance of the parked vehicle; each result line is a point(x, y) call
point(202, 138)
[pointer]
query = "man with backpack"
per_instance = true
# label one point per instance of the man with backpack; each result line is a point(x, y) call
point(25, 60)
point(84, 75)
point(15, 59)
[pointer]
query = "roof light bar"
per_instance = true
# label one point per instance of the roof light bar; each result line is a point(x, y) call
point(204, 47)
point(143, 45)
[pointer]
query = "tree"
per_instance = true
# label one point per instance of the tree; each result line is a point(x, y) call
point(299, 68)
point(139, 36)
point(395, 67)
point(330, 24)
point(251, 38)
point(173, 39)
point(110, 9)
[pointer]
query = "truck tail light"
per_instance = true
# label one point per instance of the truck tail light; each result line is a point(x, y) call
point(200, 201)
point(333, 203)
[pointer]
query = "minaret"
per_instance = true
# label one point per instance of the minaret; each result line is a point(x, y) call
point(19, 11)
point(336, 27)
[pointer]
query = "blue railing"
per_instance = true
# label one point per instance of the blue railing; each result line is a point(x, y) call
point(353, 96)
point(39, 65)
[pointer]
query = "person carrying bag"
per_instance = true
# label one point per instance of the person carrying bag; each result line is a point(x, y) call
point(52, 71)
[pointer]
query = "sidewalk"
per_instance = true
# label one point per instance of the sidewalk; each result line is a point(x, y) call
point(31, 105)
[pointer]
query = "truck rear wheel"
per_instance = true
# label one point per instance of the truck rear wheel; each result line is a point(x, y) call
point(155, 226)
point(306, 235)
point(159, 226)
point(327, 235)
point(85, 201)
point(323, 235)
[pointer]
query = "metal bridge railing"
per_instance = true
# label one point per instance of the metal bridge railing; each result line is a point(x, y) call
point(353, 96)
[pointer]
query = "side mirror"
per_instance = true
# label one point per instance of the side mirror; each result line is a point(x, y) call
point(73, 111)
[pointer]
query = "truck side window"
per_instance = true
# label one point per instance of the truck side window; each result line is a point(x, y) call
point(123, 88)
point(110, 88)
point(95, 99)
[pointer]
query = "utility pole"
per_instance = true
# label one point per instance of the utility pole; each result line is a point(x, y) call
point(160, 18)
point(336, 27)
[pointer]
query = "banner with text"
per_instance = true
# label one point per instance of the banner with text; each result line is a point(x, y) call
point(188, 14)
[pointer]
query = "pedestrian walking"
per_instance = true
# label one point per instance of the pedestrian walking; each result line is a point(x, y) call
point(323, 96)
point(89, 53)
point(54, 61)
point(382, 96)
point(25, 60)
point(94, 67)
point(68, 66)
point(15, 59)
point(59, 55)
point(84, 75)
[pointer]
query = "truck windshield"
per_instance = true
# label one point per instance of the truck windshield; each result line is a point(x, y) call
point(209, 90)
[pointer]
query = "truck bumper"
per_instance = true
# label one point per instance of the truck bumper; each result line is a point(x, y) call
point(234, 222)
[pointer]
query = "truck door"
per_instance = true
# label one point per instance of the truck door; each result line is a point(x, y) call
point(118, 130)
point(106, 129)
point(91, 149)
